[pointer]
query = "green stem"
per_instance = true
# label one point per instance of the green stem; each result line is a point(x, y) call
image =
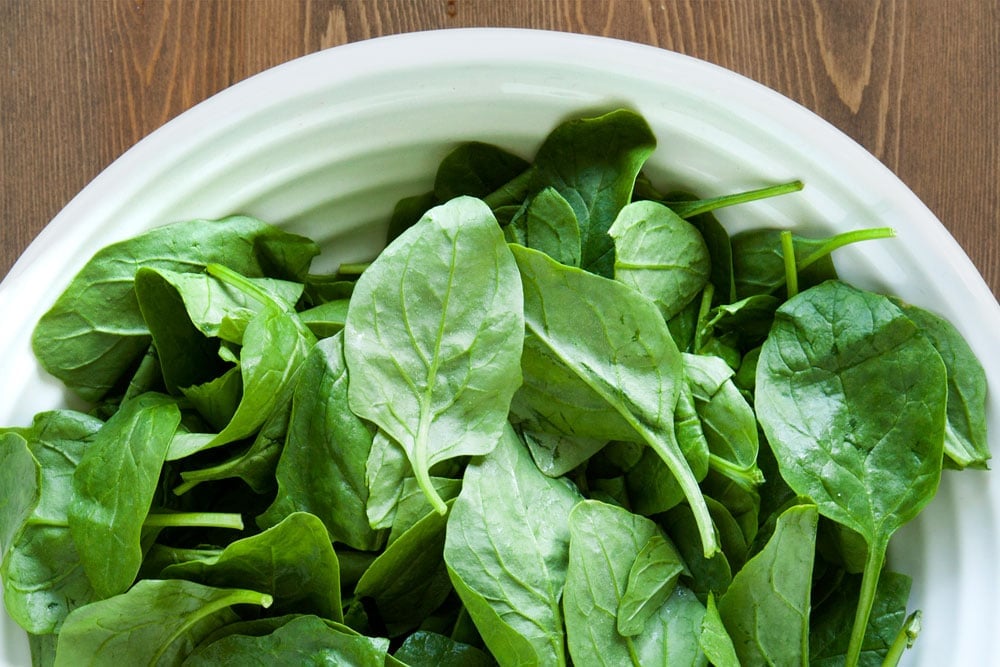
point(353, 268)
point(671, 455)
point(869, 584)
point(791, 270)
point(512, 192)
point(904, 640)
point(421, 469)
point(702, 328)
point(194, 519)
point(689, 209)
point(240, 282)
point(746, 478)
point(843, 239)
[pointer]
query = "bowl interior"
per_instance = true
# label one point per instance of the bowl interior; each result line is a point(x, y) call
point(326, 144)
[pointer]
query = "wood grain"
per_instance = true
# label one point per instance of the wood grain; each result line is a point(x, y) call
point(916, 82)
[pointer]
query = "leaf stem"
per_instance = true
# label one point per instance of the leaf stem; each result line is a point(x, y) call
point(512, 192)
point(240, 282)
point(747, 479)
point(791, 270)
point(904, 640)
point(869, 584)
point(353, 268)
point(689, 209)
point(194, 519)
point(843, 239)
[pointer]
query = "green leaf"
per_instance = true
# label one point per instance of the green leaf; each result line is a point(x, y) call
point(409, 579)
point(599, 341)
point(293, 562)
point(605, 541)
point(106, 524)
point(429, 649)
point(433, 337)
point(506, 550)
point(651, 580)
point(766, 608)
point(715, 640)
point(304, 640)
point(154, 623)
point(965, 443)
point(274, 346)
point(323, 462)
point(593, 164)
point(660, 254)
point(43, 579)
point(95, 332)
point(549, 224)
point(475, 169)
point(852, 398)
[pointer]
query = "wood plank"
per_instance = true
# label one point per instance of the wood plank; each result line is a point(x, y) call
point(916, 83)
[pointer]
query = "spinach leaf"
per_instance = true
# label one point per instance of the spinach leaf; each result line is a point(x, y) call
point(413, 505)
point(386, 472)
point(853, 398)
point(556, 454)
point(965, 444)
point(433, 338)
point(548, 224)
point(429, 649)
point(715, 640)
point(660, 254)
point(154, 623)
point(651, 580)
point(106, 524)
point(43, 579)
point(326, 319)
point(831, 621)
point(767, 614)
point(322, 464)
point(408, 580)
point(293, 562)
point(593, 336)
point(605, 541)
point(95, 332)
point(475, 169)
point(275, 344)
point(506, 551)
point(593, 164)
point(304, 640)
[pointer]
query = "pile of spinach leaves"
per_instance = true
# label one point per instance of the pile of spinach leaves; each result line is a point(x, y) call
point(563, 418)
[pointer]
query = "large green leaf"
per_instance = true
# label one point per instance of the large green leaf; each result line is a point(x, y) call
point(599, 341)
point(323, 462)
point(433, 337)
point(507, 550)
point(157, 622)
point(766, 607)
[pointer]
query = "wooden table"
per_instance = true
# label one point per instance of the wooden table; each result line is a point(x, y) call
point(916, 82)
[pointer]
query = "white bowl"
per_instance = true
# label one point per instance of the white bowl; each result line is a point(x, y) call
point(324, 145)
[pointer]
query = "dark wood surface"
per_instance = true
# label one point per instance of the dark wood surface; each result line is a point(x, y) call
point(917, 82)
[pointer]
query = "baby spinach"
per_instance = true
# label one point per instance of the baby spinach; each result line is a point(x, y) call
point(562, 417)
point(852, 398)
point(322, 465)
point(605, 542)
point(95, 331)
point(506, 552)
point(660, 254)
point(106, 524)
point(157, 622)
point(433, 334)
point(604, 337)
point(593, 164)
point(767, 615)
